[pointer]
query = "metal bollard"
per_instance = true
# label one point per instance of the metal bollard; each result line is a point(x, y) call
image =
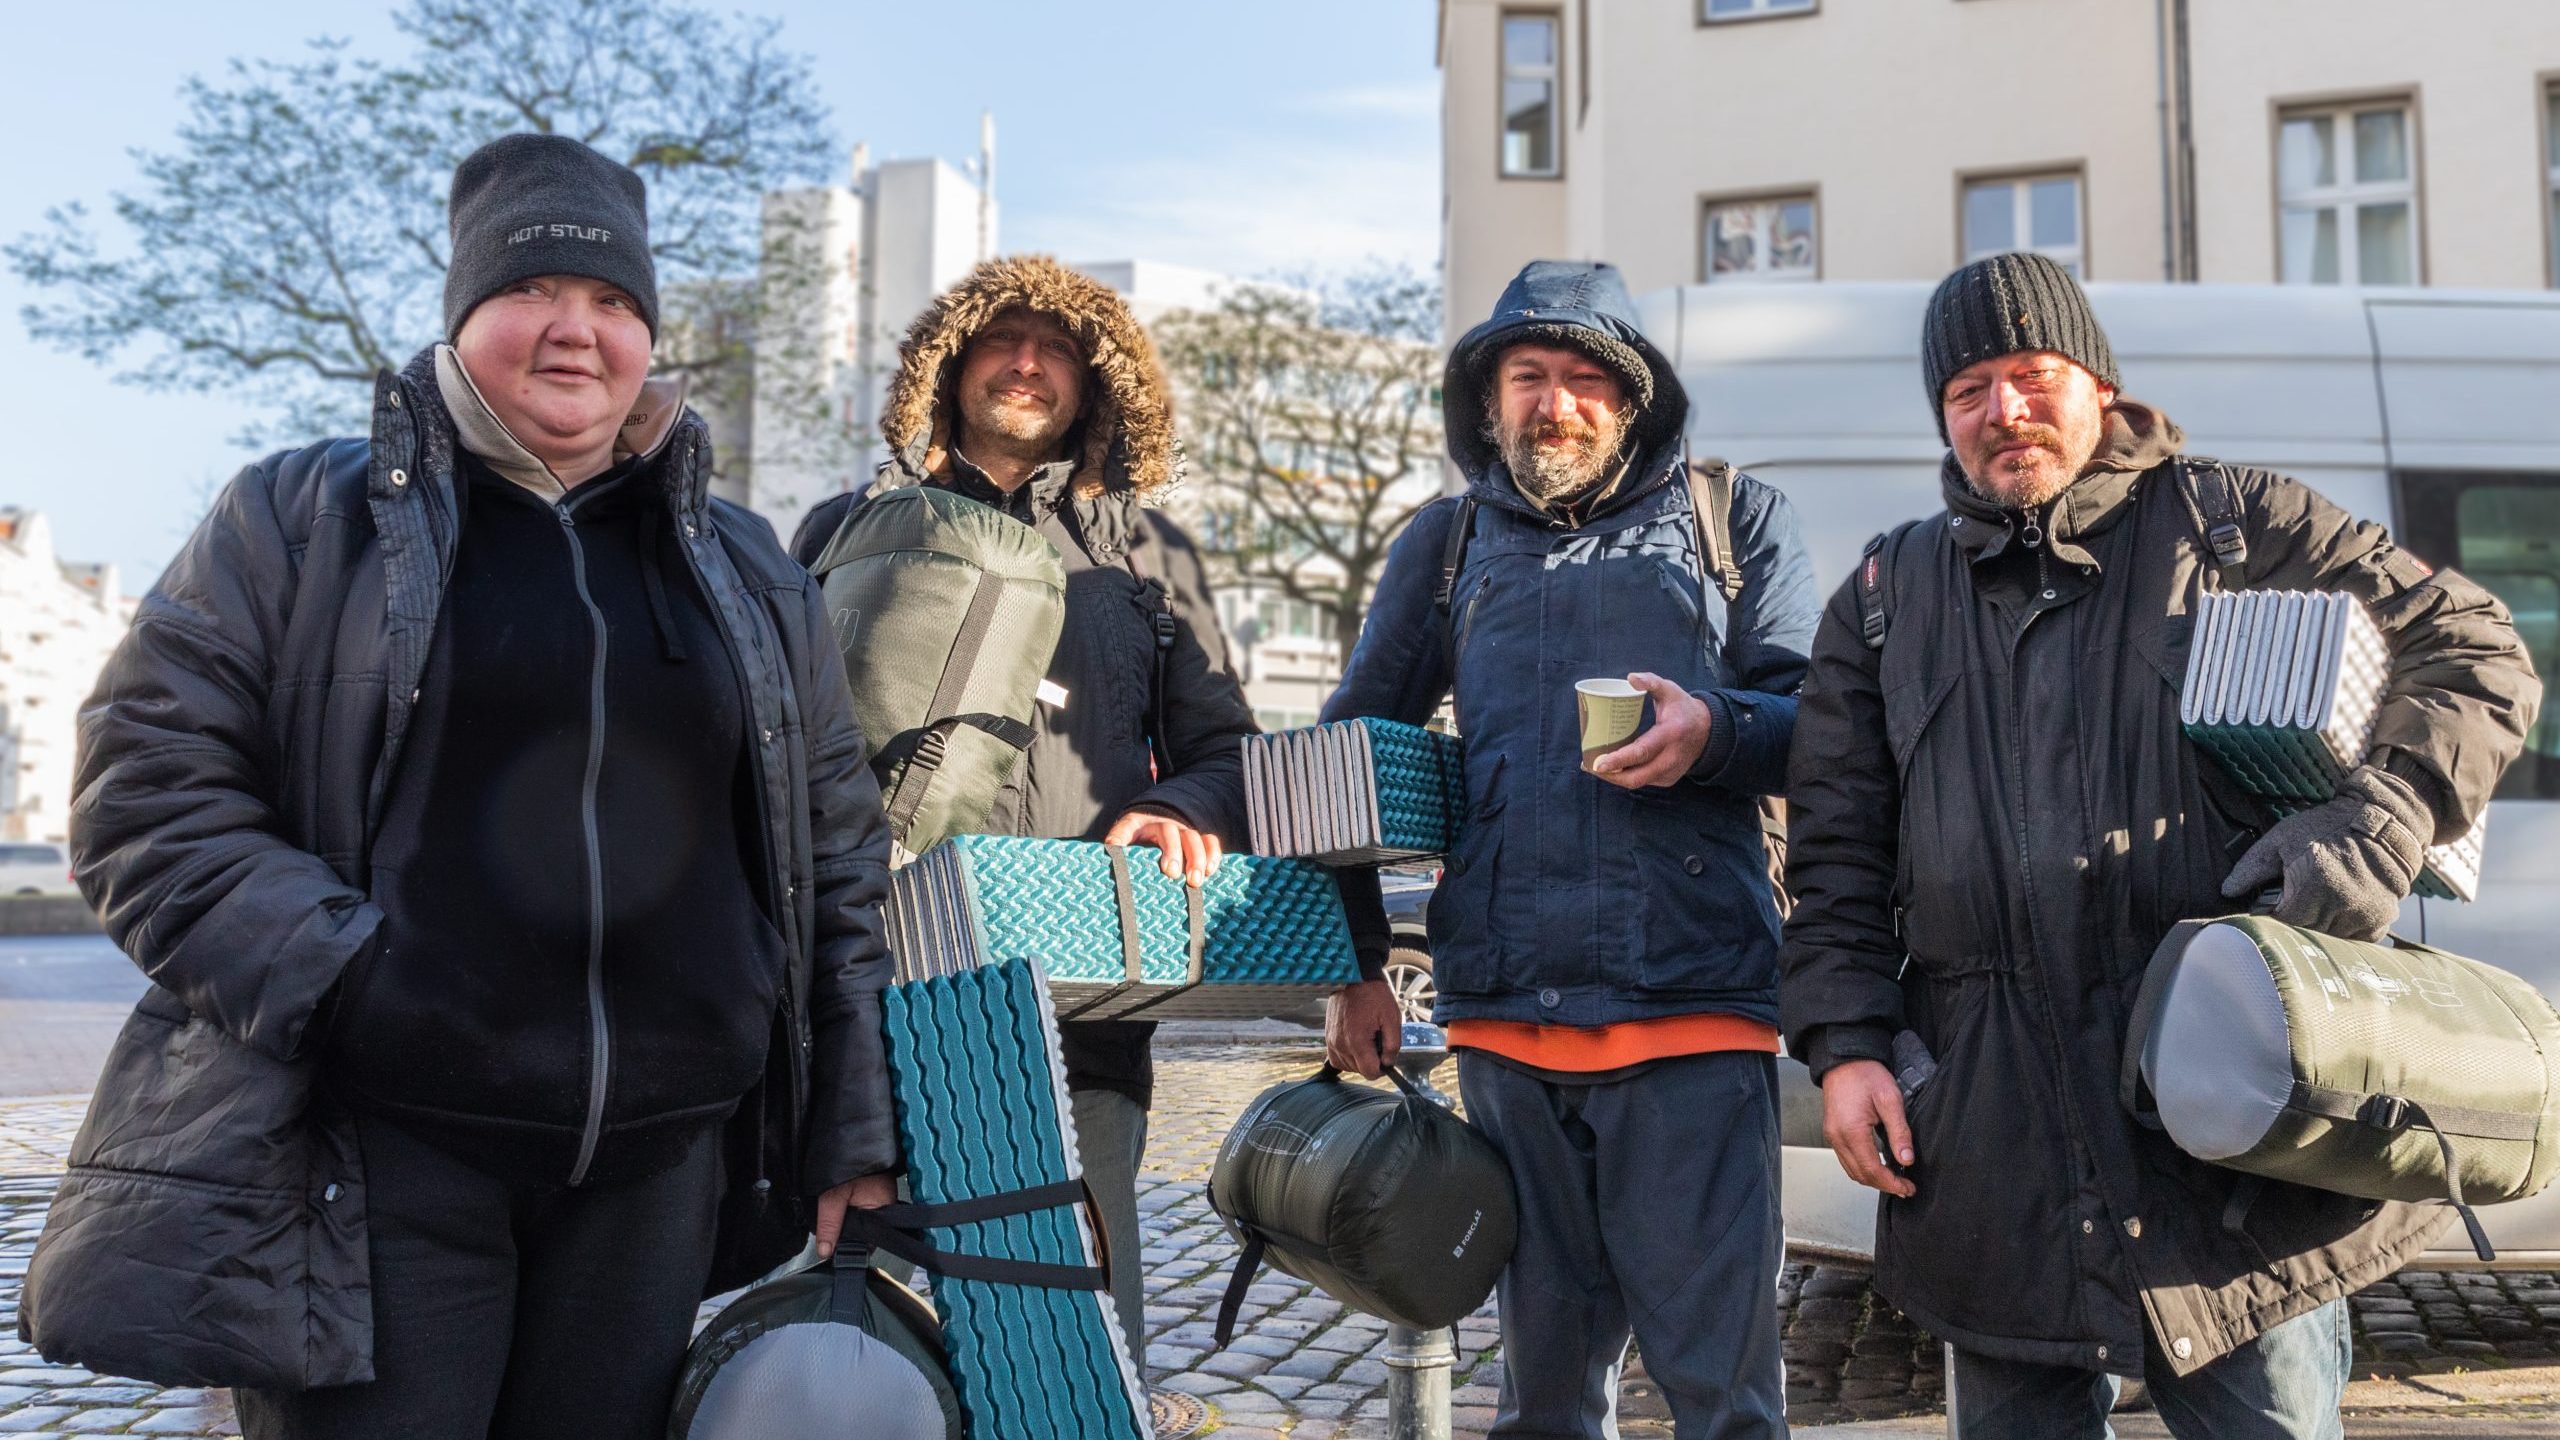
point(1419, 1361)
point(1418, 1364)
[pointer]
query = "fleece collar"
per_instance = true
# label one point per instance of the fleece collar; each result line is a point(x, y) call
point(644, 432)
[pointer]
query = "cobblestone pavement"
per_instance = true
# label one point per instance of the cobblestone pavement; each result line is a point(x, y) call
point(2441, 1355)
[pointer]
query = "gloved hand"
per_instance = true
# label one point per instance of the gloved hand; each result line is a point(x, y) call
point(2345, 864)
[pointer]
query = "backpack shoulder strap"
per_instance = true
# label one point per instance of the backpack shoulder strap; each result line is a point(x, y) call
point(1875, 581)
point(1711, 505)
point(1161, 618)
point(1453, 553)
point(2213, 499)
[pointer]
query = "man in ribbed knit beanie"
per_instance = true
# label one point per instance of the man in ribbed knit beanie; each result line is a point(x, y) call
point(1997, 823)
point(2020, 374)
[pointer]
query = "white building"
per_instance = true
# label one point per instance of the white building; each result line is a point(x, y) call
point(2233, 141)
point(58, 623)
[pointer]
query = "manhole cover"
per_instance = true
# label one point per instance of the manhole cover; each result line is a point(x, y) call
point(1177, 1416)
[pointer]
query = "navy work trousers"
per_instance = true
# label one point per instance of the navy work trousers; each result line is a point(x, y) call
point(1648, 1206)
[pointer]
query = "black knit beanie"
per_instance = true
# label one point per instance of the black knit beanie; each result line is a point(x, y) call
point(527, 205)
point(2000, 305)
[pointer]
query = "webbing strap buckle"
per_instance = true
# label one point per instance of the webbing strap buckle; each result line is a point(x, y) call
point(2387, 1113)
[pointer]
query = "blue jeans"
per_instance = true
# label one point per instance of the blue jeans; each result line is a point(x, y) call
point(2285, 1385)
point(1648, 1206)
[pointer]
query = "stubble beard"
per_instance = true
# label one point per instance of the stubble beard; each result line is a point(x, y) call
point(1019, 425)
point(2029, 478)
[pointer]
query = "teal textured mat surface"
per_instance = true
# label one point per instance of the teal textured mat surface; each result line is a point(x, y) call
point(982, 1110)
point(1354, 792)
point(1270, 934)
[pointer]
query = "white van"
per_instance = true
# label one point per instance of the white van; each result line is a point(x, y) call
point(2436, 412)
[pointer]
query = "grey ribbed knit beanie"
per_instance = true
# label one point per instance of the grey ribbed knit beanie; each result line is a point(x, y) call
point(528, 205)
point(2000, 305)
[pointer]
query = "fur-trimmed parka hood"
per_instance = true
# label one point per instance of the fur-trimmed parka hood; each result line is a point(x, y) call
point(1125, 436)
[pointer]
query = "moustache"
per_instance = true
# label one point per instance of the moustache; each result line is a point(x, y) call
point(996, 391)
point(1579, 430)
point(2043, 437)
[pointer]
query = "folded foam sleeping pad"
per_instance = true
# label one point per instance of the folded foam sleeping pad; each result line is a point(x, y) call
point(1000, 1215)
point(948, 613)
point(825, 1348)
point(1354, 792)
point(1383, 1198)
point(2391, 1072)
point(1115, 936)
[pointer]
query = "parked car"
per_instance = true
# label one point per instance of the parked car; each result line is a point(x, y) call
point(2427, 410)
point(28, 870)
point(1408, 896)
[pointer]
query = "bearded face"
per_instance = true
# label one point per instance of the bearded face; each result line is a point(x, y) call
point(2024, 425)
point(1021, 384)
point(1558, 418)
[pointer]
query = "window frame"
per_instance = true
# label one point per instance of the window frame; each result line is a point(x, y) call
point(2546, 95)
point(2019, 178)
point(2351, 194)
point(1502, 70)
point(1708, 204)
point(1760, 10)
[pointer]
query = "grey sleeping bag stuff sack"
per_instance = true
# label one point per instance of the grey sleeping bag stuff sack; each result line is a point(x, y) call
point(827, 1352)
point(2391, 1072)
point(948, 613)
point(1386, 1200)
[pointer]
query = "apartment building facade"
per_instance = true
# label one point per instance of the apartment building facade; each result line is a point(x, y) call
point(59, 621)
point(2368, 142)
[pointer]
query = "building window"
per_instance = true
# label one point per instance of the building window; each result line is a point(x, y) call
point(2502, 530)
point(1759, 240)
point(2551, 163)
point(1714, 10)
point(2347, 181)
point(2030, 212)
point(1529, 110)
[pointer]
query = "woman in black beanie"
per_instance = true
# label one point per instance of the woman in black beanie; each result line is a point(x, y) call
point(492, 779)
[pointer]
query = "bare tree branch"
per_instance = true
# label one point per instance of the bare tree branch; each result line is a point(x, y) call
point(1313, 409)
point(290, 240)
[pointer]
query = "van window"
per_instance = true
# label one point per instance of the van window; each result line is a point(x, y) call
point(2503, 531)
point(30, 855)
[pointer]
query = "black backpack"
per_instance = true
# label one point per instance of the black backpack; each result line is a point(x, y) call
point(1711, 507)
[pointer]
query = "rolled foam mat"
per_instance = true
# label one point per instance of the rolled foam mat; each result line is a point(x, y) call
point(1260, 937)
point(2281, 690)
point(1355, 792)
point(982, 1110)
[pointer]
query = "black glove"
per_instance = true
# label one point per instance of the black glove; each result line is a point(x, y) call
point(2345, 864)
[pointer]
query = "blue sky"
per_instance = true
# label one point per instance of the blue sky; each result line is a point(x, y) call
point(1237, 137)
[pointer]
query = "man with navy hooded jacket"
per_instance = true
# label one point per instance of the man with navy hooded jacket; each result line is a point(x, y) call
point(1605, 942)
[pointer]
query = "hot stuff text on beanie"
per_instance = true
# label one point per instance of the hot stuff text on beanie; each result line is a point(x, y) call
point(528, 205)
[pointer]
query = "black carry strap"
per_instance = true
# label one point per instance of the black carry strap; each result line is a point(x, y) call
point(899, 1230)
point(1249, 1259)
point(926, 759)
point(1132, 948)
point(2392, 1114)
point(1453, 554)
point(1711, 505)
point(2213, 499)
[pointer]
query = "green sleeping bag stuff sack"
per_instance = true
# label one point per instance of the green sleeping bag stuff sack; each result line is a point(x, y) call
point(2390, 1072)
point(948, 613)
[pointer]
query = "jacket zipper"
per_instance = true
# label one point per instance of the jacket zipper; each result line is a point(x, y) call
point(785, 903)
point(600, 1034)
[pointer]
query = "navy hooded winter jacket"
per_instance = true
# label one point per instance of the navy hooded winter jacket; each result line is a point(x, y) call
point(1571, 901)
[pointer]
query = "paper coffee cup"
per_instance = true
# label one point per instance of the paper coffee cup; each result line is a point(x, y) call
point(1610, 710)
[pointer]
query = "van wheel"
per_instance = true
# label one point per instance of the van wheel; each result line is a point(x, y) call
point(1408, 974)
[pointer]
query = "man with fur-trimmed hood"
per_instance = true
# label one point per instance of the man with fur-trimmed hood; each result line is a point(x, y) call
point(1031, 388)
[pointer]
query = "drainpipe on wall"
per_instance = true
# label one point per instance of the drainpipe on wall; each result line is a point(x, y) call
point(2168, 148)
point(2187, 266)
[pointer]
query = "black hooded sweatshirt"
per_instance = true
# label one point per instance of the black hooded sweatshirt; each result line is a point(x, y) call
point(575, 972)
